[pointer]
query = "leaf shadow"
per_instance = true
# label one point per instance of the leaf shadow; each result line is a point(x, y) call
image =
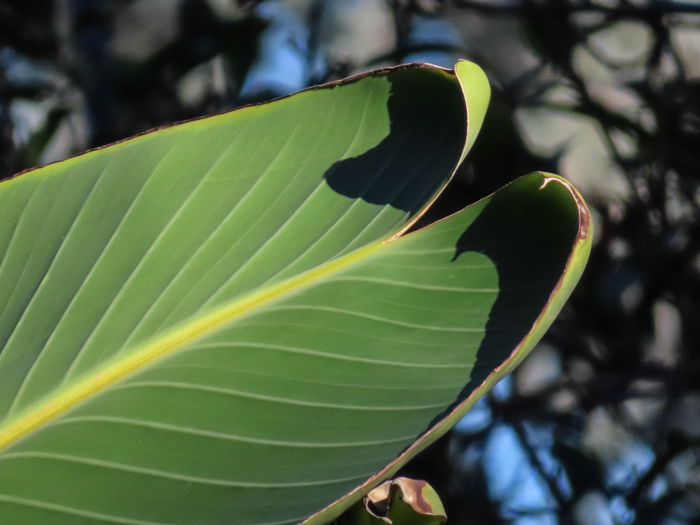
point(427, 128)
point(527, 231)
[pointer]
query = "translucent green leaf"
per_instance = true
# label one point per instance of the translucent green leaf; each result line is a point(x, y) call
point(222, 321)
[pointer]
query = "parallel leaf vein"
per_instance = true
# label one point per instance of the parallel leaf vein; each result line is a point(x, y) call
point(112, 465)
point(273, 399)
point(227, 436)
point(329, 355)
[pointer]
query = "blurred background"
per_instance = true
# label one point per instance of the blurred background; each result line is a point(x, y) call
point(601, 424)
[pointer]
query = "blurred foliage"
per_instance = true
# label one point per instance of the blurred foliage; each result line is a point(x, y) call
point(601, 425)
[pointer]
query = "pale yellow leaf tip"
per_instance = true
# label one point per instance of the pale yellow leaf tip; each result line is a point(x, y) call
point(477, 93)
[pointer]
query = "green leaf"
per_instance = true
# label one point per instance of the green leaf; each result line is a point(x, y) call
point(222, 321)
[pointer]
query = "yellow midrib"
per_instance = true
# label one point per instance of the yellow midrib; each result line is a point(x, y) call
point(43, 412)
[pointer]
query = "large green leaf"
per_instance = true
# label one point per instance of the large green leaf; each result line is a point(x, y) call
point(221, 321)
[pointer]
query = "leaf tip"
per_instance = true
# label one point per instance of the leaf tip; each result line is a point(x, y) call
point(584, 214)
point(477, 94)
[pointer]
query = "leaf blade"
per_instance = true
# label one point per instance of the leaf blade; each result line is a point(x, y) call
point(253, 377)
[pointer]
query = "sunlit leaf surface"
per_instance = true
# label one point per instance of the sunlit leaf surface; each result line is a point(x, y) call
point(218, 322)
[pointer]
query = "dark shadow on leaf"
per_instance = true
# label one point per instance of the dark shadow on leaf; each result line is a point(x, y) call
point(427, 130)
point(528, 233)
